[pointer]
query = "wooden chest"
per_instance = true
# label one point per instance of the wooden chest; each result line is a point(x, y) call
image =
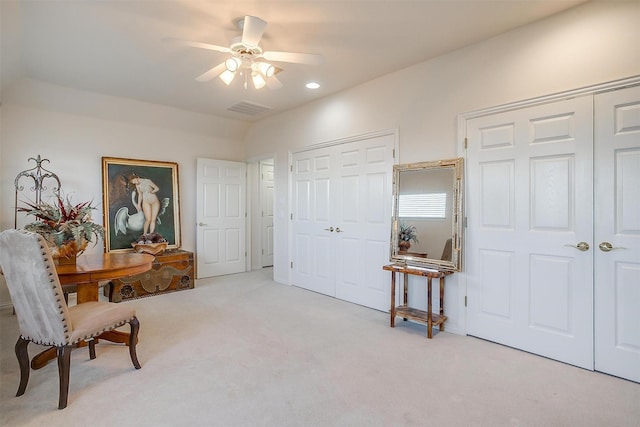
point(172, 271)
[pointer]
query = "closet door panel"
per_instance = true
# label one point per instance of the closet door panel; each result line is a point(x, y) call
point(313, 255)
point(364, 221)
point(617, 270)
point(529, 187)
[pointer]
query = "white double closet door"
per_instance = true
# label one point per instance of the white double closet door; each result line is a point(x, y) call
point(549, 187)
point(341, 219)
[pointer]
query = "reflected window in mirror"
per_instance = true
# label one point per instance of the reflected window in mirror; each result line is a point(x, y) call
point(422, 205)
point(427, 204)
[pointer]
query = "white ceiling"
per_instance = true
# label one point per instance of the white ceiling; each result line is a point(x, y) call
point(117, 48)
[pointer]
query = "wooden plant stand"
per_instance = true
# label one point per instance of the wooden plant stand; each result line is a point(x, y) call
point(427, 317)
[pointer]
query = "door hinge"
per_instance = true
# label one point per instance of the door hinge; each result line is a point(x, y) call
point(263, 252)
point(291, 167)
point(291, 264)
point(465, 143)
point(393, 153)
point(464, 222)
point(292, 216)
point(465, 300)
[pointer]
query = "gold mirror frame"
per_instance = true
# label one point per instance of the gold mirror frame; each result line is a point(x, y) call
point(453, 209)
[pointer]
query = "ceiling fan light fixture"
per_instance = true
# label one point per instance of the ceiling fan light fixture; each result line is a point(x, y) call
point(227, 77)
point(258, 81)
point(266, 69)
point(232, 64)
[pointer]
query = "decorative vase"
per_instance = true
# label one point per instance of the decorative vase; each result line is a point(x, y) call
point(404, 245)
point(68, 251)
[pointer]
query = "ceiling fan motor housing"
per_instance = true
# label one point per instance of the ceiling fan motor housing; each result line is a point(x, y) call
point(244, 50)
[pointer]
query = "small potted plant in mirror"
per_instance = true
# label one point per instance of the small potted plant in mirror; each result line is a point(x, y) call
point(67, 227)
point(406, 235)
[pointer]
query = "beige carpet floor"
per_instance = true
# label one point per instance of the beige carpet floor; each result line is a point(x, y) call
point(242, 350)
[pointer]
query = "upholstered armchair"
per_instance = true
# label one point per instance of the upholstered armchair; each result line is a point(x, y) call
point(43, 315)
point(446, 252)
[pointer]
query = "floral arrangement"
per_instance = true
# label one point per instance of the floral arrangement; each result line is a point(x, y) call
point(407, 233)
point(66, 226)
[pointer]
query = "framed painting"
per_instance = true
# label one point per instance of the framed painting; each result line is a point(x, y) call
point(139, 197)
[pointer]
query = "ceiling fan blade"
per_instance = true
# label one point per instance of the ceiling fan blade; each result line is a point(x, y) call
point(298, 58)
point(273, 83)
point(199, 45)
point(252, 30)
point(212, 73)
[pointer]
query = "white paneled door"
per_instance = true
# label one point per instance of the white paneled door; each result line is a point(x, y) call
point(529, 204)
point(617, 235)
point(266, 203)
point(313, 243)
point(221, 217)
point(341, 219)
point(553, 238)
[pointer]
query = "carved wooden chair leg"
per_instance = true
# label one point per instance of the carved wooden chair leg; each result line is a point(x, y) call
point(109, 287)
point(64, 362)
point(92, 348)
point(133, 340)
point(23, 360)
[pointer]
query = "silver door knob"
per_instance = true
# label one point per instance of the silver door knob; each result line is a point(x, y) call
point(608, 247)
point(582, 246)
point(329, 229)
point(201, 224)
point(338, 230)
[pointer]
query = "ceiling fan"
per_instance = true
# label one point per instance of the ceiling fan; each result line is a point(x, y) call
point(248, 59)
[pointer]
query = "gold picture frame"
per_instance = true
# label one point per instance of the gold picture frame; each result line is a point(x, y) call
point(133, 190)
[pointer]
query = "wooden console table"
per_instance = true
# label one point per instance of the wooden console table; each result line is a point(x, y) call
point(173, 270)
point(428, 317)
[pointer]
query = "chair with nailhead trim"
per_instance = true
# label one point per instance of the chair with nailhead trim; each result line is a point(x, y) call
point(43, 315)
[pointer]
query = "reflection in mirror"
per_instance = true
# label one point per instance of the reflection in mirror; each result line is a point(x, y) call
point(426, 227)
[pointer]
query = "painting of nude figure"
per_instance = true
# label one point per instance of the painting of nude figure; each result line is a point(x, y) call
point(140, 198)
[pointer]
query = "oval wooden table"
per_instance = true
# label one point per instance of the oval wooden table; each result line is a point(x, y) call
point(86, 274)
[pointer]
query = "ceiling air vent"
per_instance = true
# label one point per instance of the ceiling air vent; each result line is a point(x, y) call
point(248, 108)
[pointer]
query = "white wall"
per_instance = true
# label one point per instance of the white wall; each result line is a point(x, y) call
point(590, 44)
point(74, 129)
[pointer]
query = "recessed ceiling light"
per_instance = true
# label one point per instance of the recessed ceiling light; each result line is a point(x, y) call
point(312, 85)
